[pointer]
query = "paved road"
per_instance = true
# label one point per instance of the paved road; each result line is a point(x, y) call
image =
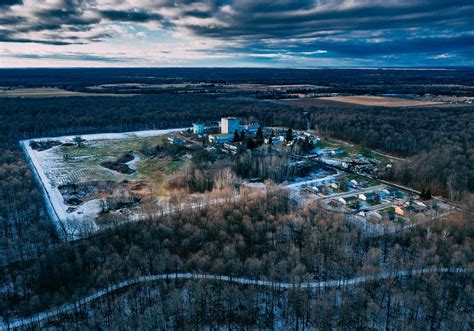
point(355, 192)
point(381, 206)
point(72, 307)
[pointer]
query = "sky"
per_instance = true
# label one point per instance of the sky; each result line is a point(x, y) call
point(236, 33)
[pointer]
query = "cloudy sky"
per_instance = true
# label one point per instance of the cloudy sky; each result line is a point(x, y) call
point(305, 33)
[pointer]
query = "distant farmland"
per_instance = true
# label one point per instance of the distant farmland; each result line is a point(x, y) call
point(380, 101)
point(49, 92)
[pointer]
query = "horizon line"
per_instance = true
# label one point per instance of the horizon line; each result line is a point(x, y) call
point(251, 67)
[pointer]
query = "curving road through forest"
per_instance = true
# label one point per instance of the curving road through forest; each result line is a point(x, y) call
point(72, 307)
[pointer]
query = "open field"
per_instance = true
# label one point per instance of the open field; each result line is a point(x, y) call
point(78, 178)
point(49, 93)
point(380, 101)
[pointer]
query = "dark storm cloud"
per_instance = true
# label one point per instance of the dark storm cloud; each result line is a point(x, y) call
point(342, 28)
point(76, 57)
point(264, 19)
point(130, 16)
point(417, 29)
point(19, 40)
point(8, 3)
point(46, 22)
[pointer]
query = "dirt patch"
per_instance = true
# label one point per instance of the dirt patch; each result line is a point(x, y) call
point(77, 194)
point(139, 188)
point(380, 101)
point(120, 165)
point(43, 145)
point(73, 202)
point(126, 157)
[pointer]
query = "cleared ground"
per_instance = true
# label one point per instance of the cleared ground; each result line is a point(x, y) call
point(380, 101)
point(49, 93)
point(76, 180)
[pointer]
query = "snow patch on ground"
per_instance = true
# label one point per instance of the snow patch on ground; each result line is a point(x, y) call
point(303, 182)
point(133, 163)
point(113, 135)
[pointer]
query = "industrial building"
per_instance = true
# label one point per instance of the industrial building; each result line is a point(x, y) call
point(250, 128)
point(229, 125)
point(198, 128)
point(221, 138)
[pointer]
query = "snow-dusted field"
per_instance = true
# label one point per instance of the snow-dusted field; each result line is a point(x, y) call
point(48, 169)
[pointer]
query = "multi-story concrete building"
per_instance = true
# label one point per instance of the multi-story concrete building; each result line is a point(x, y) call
point(229, 125)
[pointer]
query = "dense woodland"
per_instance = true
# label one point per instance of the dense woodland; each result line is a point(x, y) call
point(264, 237)
point(446, 302)
point(260, 239)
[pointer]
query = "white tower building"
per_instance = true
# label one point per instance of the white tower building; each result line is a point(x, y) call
point(229, 125)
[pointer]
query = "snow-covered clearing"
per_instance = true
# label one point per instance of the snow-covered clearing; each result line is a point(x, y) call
point(72, 307)
point(112, 135)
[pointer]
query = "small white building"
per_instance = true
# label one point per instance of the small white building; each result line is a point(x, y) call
point(230, 148)
point(251, 128)
point(362, 197)
point(420, 204)
point(175, 140)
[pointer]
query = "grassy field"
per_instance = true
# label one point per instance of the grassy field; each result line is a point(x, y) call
point(83, 164)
